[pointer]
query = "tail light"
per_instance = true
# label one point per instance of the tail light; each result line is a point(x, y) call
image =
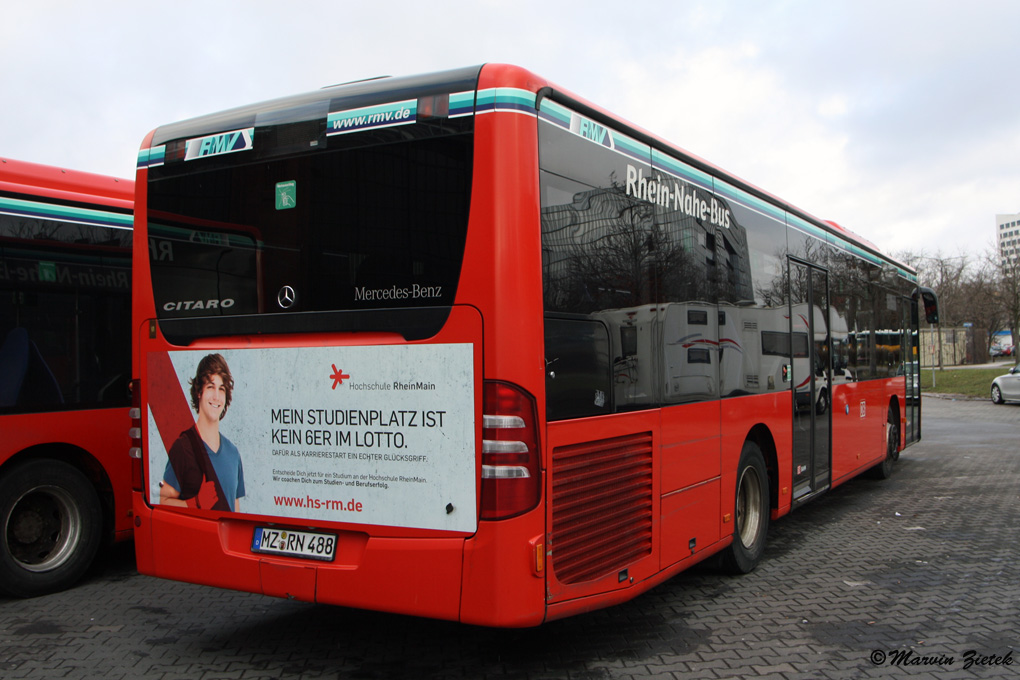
point(511, 467)
point(135, 433)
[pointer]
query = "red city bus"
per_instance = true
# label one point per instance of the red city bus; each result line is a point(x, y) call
point(466, 346)
point(65, 310)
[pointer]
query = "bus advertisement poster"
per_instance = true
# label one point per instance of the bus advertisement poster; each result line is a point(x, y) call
point(381, 435)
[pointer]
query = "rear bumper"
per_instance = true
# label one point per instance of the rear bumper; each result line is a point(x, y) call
point(418, 576)
point(486, 579)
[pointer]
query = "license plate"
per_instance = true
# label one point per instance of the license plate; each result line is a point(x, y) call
point(307, 544)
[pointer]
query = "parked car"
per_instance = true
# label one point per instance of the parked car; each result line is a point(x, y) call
point(1001, 351)
point(1006, 387)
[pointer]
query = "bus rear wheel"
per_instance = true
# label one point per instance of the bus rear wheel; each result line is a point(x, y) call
point(750, 513)
point(51, 522)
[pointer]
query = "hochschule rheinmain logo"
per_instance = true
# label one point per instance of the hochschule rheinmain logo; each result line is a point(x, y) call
point(338, 376)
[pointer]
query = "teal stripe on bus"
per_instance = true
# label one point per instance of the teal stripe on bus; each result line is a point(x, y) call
point(631, 147)
point(667, 163)
point(808, 228)
point(750, 201)
point(462, 104)
point(148, 158)
point(555, 113)
point(505, 99)
point(64, 213)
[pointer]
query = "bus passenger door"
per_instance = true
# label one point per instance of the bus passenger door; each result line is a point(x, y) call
point(911, 370)
point(812, 380)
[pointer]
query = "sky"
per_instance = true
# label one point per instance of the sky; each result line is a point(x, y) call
point(899, 119)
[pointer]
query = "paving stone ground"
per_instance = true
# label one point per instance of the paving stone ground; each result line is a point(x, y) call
point(908, 577)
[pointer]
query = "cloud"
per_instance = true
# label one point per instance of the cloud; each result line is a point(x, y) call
point(729, 107)
point(895, 119)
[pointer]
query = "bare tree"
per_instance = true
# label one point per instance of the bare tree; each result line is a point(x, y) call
point(1009, 295)
point(980, 290)
point(984, 292)
point(945, 275)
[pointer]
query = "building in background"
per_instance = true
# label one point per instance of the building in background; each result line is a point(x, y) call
point(1008, 237)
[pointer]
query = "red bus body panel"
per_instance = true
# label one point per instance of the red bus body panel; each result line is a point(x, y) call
point(859, 424)
point(100, 436)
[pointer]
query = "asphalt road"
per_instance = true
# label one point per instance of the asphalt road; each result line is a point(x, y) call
point(913, 576)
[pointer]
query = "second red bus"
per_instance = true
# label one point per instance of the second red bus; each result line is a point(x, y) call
point(65, 309)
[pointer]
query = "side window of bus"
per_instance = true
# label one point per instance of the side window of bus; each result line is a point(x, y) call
point(616, 257)
point(60, 311)
point(596, 270)
point(872, 318)
point(577, 368)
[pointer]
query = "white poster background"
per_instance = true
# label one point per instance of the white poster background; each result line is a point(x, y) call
point(370, 435)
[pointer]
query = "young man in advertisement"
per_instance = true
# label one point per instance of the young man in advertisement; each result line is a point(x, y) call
point(204, 468)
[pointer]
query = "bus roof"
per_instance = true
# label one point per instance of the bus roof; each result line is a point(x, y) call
point(318, 104)
point(71, 185)
point(309, 106)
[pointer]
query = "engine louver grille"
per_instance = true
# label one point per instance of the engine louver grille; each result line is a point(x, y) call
point(602, 506)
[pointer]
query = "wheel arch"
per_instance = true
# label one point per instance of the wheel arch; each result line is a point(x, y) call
point(893, 415)
point(762, 436)
point(84, 462)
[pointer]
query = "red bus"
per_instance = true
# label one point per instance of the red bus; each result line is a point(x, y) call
point(65, 310)
point(467, 346)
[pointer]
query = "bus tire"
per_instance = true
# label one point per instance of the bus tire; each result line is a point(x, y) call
point(822, 405)
point(52, 523)
point(884, 469)
point(750, 513)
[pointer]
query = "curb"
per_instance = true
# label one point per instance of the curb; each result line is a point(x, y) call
point(953, 397)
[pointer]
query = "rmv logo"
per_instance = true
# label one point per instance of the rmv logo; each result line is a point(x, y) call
point(225, 143)
point(594, 132)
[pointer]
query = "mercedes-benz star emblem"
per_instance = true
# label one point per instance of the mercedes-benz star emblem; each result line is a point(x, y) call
point(286, 297)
